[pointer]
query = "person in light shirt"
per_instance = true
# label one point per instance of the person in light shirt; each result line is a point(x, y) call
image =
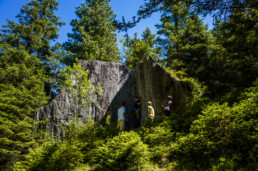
point(121, 117)
point(151, 113)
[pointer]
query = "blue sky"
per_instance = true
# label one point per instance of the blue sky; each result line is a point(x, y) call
point(128, 8)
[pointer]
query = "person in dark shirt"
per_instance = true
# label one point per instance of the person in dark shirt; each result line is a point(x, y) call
point(136, 111)
point(167, 105)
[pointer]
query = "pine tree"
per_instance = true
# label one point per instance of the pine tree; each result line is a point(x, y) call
point(185, 40)
point(37, 26)
point(24, 53)
point(54, 63)
point(218, 8)
point(235, 64)
point(93, 34)
point(21, 94)
point(136, 49)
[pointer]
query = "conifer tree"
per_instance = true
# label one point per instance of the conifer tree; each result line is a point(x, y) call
point(93, 34)
point(37, 26)
point(235, 63)
point(185, 40)
point(136, 49)
point(21, 94)
point(24, 53)
point(218, 8)
point(53, 65)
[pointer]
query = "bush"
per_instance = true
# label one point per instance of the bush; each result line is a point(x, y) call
point(91, 136)
point(38, 158)
point(158, 139)
point(52, 156)
point(67, 157)
point(221, 137)
point(123, 152)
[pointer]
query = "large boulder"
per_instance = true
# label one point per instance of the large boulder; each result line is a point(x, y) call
point(154, 84)
point(120, 84)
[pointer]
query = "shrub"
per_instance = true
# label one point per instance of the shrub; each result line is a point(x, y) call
point(38, 158)
point(67, 157)
point(52, 155)
point(123, 152)
point(222, 136)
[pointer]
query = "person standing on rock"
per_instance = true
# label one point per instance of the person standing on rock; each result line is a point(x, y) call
point(136, 111)
point(151, 113)
point(167, 105)
point(121, 117)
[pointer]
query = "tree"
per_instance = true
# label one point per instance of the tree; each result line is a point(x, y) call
point(77, 83)
point(37, 26)
point(218, 8)
point(24, 51)
point(21, 94)
point(238, 40)
point(136, 49)
point(54, 63)
point(93, 34)
point(185, 40)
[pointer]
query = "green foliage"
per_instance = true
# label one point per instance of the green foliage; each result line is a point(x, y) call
point(53, 64)
point(222, 137)
point(185, 40)
point(137, 49)
point(221, 133)
point(182, 118)
point(126, 152)
point(93, 136)
point(215, 133)
point(93, 36)
point(37, 26)
point(52, 155)
point(67, 156)
point(24, 45)
point(234, 64)
point(77, 83)
point(21, 94)
point(158, 139)
point(69, 152)
point(218, 8)
point(38, 157)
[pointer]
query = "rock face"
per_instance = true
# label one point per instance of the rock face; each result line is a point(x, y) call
point(154, 84)
point(120, 84)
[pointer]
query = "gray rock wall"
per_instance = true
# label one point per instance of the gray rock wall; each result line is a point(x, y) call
point(154, 84)
point(120, 84)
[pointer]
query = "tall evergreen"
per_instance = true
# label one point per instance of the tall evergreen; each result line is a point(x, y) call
point(93, 35)
point(217, 8)
point(37, 26)
point(136, 49)
point(21, 94)
point(185, 40)
point(24, 53)
point(235, 63)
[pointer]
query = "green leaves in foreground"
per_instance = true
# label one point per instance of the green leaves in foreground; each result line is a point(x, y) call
point(21, 94)
point(123, 152)
point(223, 137)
